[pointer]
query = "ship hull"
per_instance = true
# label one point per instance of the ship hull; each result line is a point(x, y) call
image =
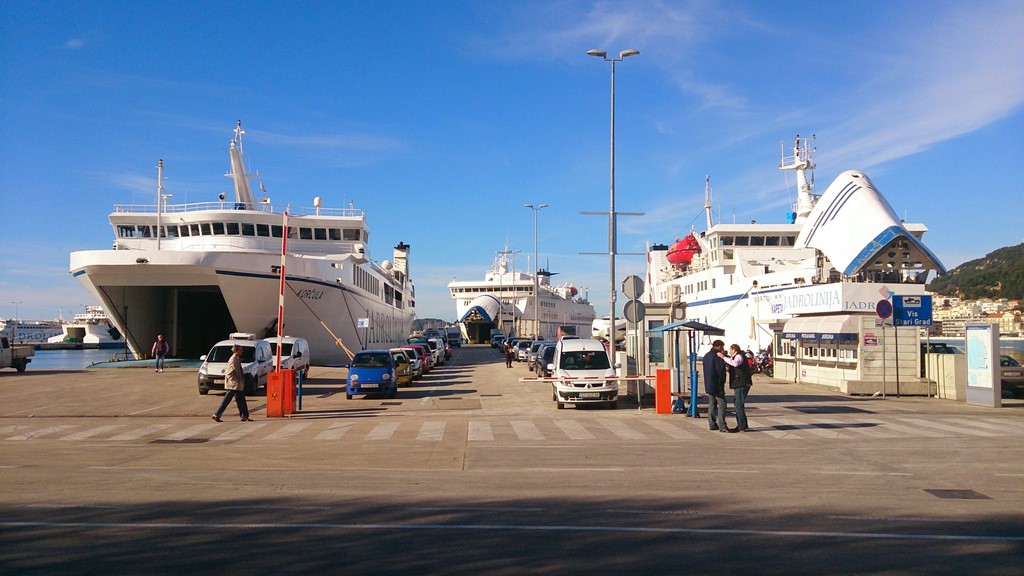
point(197, 298)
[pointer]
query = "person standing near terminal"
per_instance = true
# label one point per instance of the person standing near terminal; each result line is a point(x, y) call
point(510, 355)
point(159, 351)
point(234, 386)
point(714, 386)
point(740, 381)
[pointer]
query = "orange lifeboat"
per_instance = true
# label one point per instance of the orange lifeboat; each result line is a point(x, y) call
point(681, 252)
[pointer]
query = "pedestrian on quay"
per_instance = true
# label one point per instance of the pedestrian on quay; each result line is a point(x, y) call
point(159, 351)
point(234, 386)
point(510, 355)
point(714, 386)
point(740, 382)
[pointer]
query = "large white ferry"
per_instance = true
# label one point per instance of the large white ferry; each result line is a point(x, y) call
point(504, 301)
point(29, 331)
point(839, 254)
point(197, 272)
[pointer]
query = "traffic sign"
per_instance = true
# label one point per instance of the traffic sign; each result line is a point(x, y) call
point(634, 311)
point(883, 309)
point(912, 310)
point(633, 287)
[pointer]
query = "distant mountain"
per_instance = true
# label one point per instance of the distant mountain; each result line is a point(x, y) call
point(420, 324)
point(1000, 274)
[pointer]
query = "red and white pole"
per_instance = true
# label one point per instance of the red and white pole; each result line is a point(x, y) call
point(280, 298)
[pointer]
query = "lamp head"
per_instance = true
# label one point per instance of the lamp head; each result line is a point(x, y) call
point(598, 53)
point(627, 53)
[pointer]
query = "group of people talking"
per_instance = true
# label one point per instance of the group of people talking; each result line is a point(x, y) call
point(717, 366)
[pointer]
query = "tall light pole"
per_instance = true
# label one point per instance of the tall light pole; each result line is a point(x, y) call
point(17, 315)
point(611, 206)
point(536, 282)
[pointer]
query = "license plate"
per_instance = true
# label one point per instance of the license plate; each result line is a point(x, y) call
point(590, 394)
point(369, 386)
point(1013, 374)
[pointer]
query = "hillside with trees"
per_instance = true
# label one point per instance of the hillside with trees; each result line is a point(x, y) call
point(1000, 274)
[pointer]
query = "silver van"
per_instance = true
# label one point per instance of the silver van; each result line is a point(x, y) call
point(294, 353)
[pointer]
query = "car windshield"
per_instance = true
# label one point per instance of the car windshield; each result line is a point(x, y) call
point(524, 344)
point(1008, 361)
point(372, 360)
point(400, 357)
point(584, 361)
point(223, 354)
point(412, 352)
point(286, 348)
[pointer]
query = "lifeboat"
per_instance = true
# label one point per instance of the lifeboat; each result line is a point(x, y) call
point(681, 252)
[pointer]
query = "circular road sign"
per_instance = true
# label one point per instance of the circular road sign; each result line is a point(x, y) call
point(634, 312)
point(883, 309)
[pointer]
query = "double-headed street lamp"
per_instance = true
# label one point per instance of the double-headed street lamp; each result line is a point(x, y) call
point(611, 209)
point(536, 283)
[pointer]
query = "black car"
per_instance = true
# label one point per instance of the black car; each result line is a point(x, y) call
point(545, 356)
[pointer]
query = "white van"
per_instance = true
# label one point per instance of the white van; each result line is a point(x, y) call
point(586, 376)
point(294, 353)
point(257, 362)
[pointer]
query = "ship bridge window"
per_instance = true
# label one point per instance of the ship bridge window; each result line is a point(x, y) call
point(205, 226)
point(232, 228)
point(125, 231)
point(319, 233)
point(772, 241)
point(757, 240)
point(726, 240)
point(334, 233)
point(789, 240)
point(145, 232)
point(305, 233)
point(217, 228)
point(743, 241)
point(263, 230)
point(194, 228)
point(171, 231)
point(276, 230)
point(351, 234)
point(183, 230)
point(249, 229)
point(293, 232)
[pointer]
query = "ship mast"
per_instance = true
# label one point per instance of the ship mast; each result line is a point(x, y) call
point(801, 161)
point(707, 200)
point(243, 193)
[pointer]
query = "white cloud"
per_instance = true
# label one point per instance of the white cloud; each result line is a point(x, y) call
point(75, 44)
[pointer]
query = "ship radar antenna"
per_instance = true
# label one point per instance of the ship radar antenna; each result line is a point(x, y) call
point(801, 162)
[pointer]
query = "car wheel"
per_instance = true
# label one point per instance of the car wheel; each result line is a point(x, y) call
point(348, 396)
point(203, 391)
point(249, 386)
point(613, 405)
point(560, 405)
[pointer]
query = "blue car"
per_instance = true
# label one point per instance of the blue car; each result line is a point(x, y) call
point(371, 372)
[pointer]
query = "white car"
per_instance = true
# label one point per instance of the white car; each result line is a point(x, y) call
point(586, 376)
point(294, 354)
point(257, 363)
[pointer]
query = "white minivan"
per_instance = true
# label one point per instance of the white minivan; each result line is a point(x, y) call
point(257, 362)
point(294, 353)
point(585, 375)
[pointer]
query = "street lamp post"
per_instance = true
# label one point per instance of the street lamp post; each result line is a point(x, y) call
point(536, 282)
point(611, 206)
point(17, 315)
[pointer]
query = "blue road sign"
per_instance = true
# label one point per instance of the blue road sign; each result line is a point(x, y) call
point(883, 309)
point(912, 310)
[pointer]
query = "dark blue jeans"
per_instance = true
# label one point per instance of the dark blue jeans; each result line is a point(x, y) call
point(239, 396)
point(716, 412)
point(160, 361)
point(739, 404)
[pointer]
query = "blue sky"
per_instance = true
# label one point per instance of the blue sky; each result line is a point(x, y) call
point(442, 119)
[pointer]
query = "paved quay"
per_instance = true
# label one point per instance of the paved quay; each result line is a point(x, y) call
point(129, 463)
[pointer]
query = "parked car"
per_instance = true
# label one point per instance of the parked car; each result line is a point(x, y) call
point(585, 372)
point(497, 341)
point(257, 362)
point(371, 372)
point(531, 356)
point(415, 360)
point(403, 367)
point(426, 357)
point(523, 349)
point(294, 354)
point(545, 357)
point(1012, 375)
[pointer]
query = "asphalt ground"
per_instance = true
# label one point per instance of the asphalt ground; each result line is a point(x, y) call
point(470, 470)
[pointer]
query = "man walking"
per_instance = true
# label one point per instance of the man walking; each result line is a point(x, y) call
point(234, 386)
point(714, 386)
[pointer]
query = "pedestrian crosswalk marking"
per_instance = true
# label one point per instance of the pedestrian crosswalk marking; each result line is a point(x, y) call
point(188, 432)
point(382, 431)
point(480, 432)
point(574, 430)
point(431, 432)
point(288, 430)
point(242, 429)
point(621, 429)
point(86, 434)
point(334, 431)
point(940, 426)
point(526, 430)
point(670, 430)
point(140, 432)
point(40, 433)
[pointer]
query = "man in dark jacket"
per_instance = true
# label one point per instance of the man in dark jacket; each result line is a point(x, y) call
point(714, 386)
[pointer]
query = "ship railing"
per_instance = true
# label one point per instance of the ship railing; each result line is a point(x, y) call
point(227, 205)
